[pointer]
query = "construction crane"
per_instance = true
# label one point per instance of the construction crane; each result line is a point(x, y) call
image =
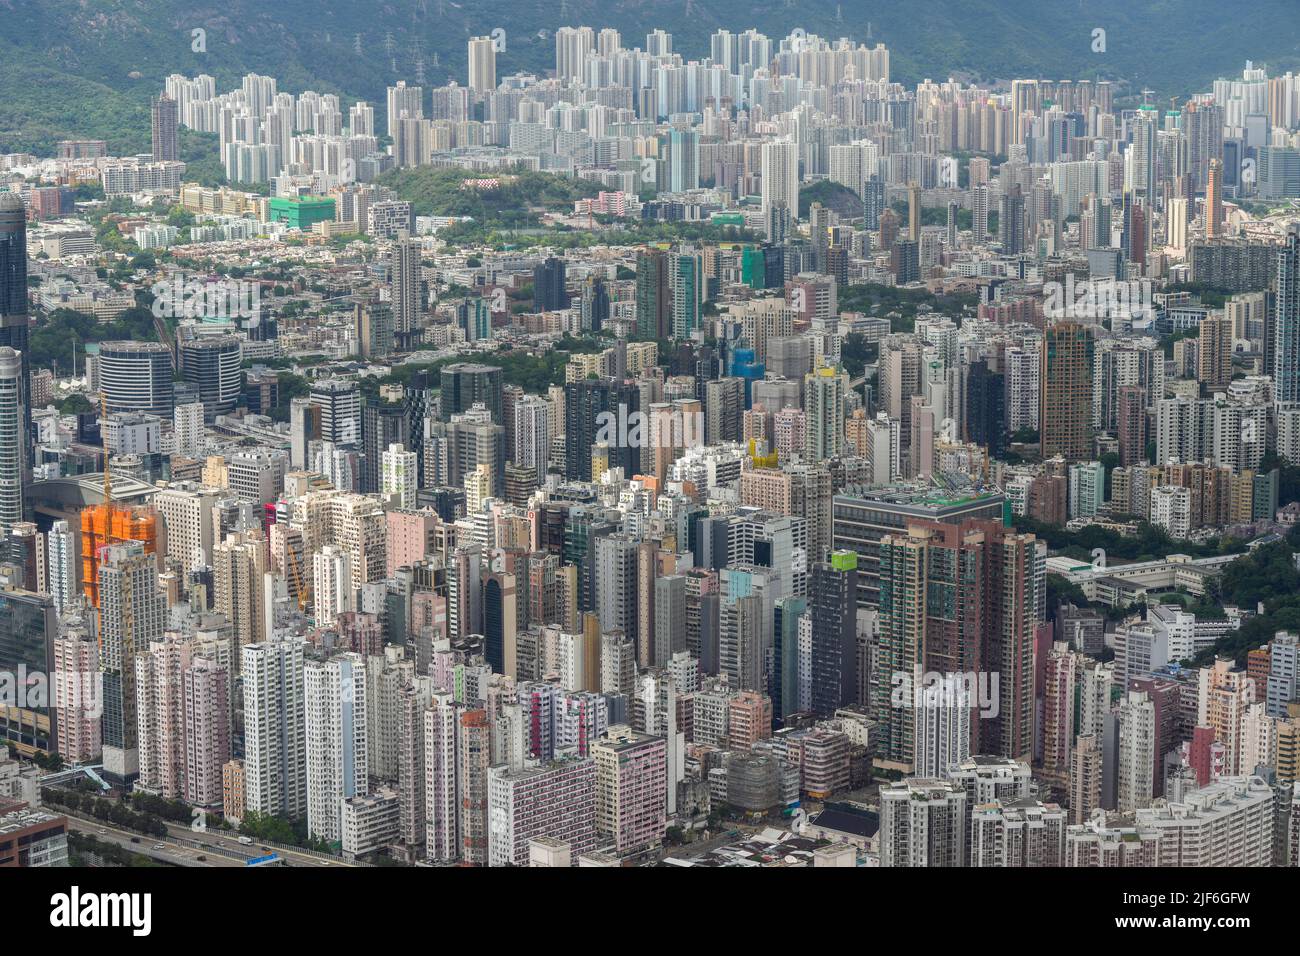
point(108, 483)
point(296, 567)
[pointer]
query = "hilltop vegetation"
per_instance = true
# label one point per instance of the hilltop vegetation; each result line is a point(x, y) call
point(441, 191)
point(843, 200)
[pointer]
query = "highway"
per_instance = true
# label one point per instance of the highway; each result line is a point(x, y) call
point(227, 841)
point(172, 852)
point(183, 846)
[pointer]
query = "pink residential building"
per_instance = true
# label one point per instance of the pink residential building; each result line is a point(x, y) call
point(631, 788)
point(206, 694)
point(78, 699)
point(410, 537)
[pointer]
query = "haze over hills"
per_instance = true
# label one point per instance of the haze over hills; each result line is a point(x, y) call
point(56, 53)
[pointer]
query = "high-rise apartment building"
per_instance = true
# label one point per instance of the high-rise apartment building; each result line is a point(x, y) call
point(166, 132)
point(275, 769)
point(132, 614)
point(334, 730)
point(1066, 389)
point(631, 788)
point(482, 64)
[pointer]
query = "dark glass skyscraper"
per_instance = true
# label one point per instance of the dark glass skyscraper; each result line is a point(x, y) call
point(1011, 222)
point(382, 424)
point(13, 299)
point(548, 286)
point(28, 627)
point(832, 603)
point(873, 201)
point(589, 407)
point(986, 410)
point(653, 300)
point(595, 304)
point(465, 383)
point(166, 134)
point(1286, 320)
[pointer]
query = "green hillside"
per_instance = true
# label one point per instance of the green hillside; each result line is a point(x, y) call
point(88, 67)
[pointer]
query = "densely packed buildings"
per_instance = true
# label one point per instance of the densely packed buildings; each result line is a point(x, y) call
point(765, 493)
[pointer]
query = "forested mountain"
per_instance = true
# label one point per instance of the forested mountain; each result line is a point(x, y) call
point(57, 55)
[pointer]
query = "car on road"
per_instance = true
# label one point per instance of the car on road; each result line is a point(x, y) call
point(201, 859)
point(160, 846)
point(135, 839)
point(246, 841)
point(101, 830)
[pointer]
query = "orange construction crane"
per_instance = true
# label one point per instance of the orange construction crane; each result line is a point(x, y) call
point(107, 523)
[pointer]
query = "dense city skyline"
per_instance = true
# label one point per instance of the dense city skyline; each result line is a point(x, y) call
point(645, 460)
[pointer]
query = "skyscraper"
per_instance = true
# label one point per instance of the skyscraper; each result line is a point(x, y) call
point(1214, 200)
point(404, 101)
point(332, 584)
point(935, 808)
point(464, 384)
point(1286, 320)
point(653, 296)
point(631, 788)
point(594, 304)
point(686, 286)
point(28, 629)
point(132, 614)
point(406, 285)
point(275, 771)
point(473, 757)
point(14, 319)
point(780, 171)
point(549, 292)
point(955, 600)
point(205, 702)
point(873, 201)
point(1065, 420)
point(212, 365)
point(1214, 352)
point(1011, 222)
point(986, 413)
point(832, 608)
point(914, 211)
point(166, 134)
point(13, 438)
point(823, 403)
point(500, 622)
point(598, 410)
point(136, 377)
point(482, 65)
point(334, 725)
point(399, 474)
point(683, 160)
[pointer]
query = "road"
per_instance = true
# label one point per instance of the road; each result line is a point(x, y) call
point(183, 846)
point(228, 841)
point(172, 852)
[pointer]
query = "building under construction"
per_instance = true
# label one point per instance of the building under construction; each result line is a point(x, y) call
point(112, 523)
